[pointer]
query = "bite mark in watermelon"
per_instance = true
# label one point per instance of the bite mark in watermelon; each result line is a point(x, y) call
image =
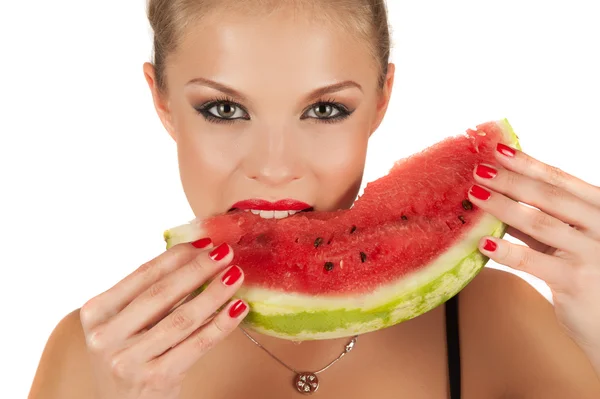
point(407, 245)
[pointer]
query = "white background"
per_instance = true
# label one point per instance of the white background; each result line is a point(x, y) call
point(89, 178)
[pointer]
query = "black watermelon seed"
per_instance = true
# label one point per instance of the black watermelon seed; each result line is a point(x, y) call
point(462, 219)
point(329, 266)
point(363, 257)
point(330, 239)
point(318, 242)
point(353, 229)
point(467, 205)
point(404, 217)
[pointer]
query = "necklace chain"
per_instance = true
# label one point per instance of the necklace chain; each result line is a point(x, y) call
point(349, 346)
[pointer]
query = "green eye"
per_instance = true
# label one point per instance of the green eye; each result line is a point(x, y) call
point(323, 111)
point(222, 111)
point(226, 111)
point(326, 112)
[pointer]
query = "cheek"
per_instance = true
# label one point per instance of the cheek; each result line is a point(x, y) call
point(205, 163)
point(340, 158)
point(196, 174)
point(338, 163)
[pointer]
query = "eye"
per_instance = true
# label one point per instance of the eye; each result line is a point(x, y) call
point(222, 110)
point(226, 110)
point(326, 111)
point(323, 111)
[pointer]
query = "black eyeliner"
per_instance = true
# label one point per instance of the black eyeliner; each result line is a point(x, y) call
point(343, 111)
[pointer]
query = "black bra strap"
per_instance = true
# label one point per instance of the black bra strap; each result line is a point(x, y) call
point(453, 347)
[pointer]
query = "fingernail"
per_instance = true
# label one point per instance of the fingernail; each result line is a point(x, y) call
point(202, 243)
point(237, 309)
point(486, 172)
point(219, 252)
point(490, 245)
point(506, 150)
point(480, 192)
point(233, 274)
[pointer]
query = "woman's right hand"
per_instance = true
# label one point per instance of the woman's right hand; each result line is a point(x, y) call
point(139, 346)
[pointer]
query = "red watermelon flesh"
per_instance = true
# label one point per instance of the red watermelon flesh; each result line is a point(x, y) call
point(405, 223)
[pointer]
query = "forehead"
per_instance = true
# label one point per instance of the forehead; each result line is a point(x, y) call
point(283, 49)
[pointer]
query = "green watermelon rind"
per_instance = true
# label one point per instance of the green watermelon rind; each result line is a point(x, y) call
point(509, 133)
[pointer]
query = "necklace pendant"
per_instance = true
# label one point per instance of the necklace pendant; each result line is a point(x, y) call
point(306, 383)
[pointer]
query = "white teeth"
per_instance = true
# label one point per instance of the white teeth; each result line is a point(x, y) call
point(280, 214)
point(267, 214)
point(272, 214)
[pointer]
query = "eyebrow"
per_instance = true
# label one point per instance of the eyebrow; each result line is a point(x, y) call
point(217, 86)
point(239, 96)
point(333, 88)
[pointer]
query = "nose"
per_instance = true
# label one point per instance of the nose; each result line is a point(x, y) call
point(273, 157)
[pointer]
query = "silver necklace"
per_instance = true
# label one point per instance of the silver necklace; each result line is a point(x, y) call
point(306, 382)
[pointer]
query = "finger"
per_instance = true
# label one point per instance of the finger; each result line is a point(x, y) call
point(549, 198)
point(524, 164)
point(100, 308)
point(152, 305)
point(527, 240)
point(183, 356)
point(548, 268)
point(533, 222)
point(187, 318)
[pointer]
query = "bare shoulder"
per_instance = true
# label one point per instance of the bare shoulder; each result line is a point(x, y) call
point(63, 371)
point(508, 327)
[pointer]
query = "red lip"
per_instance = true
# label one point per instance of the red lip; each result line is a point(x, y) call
point(281, 205)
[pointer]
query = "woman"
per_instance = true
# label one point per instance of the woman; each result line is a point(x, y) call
point(244, 130)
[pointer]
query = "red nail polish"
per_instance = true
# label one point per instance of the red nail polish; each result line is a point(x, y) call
point(202, 243)
point(506, 150)
point(490, 245)
point(480, 193)
point(219, 252)
point(486, 172)
point(232, 275)
point(237, 309)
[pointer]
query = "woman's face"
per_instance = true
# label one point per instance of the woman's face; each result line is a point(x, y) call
point(270, 108)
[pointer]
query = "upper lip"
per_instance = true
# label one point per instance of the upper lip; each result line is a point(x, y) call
point(264, 205)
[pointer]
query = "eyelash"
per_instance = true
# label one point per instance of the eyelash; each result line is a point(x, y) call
point(203, 110)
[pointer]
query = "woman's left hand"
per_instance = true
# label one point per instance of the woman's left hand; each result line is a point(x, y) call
point(562, 236)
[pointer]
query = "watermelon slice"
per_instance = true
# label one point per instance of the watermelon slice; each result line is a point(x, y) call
point(407, 245)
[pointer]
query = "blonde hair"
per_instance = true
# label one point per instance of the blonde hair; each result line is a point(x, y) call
point(365, 18)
